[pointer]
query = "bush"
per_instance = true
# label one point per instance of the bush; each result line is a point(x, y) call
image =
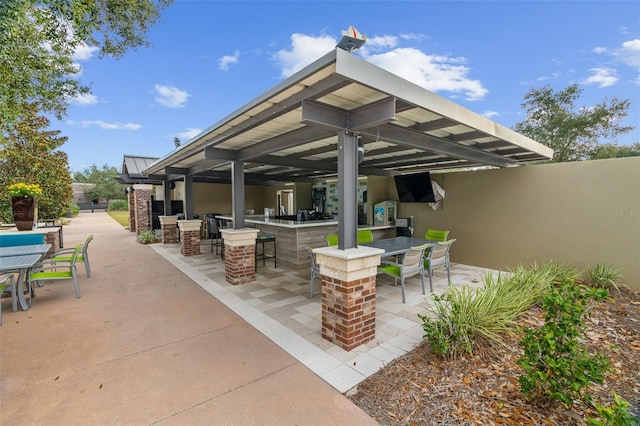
point(74, 209)
point(147, 237)
point(461, 316)
point(119, 205)
point(557, 366)
point(603, 276)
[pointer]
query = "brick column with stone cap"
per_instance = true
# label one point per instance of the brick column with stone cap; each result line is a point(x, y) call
point(169, 229)
point(132, 210)
point(190, 236)
point(239, 255)
point(348, 294)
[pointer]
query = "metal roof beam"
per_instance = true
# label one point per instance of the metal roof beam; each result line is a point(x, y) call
point(290, 139)
point(406, 137)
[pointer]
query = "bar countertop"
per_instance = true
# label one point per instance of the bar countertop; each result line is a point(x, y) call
point(294, 224)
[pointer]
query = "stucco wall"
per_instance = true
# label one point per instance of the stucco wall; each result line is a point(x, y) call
point(582, 213)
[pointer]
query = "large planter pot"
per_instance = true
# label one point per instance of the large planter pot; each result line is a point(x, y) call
point(24, 212)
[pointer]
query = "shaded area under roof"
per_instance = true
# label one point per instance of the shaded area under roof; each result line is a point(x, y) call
point(290, 132)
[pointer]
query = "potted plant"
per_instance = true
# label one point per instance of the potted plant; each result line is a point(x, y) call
point(24, 203)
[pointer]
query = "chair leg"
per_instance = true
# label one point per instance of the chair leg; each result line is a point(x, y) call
point(430, 280)
point(448, 272)
point(14, 295)
point(402, 286)
point(422, 278)
point(87, 267)
point(76, 284)
point(311, 287)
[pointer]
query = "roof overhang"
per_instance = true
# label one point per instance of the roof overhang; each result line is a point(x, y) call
point(289, 133)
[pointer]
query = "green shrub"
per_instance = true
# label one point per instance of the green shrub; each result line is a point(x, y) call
point(74, 209)
point(614, 415)
point(119, 205)
point(147, 237)
point(559, 273)
point(557, 367)
point(461, 316)
point(603, 276)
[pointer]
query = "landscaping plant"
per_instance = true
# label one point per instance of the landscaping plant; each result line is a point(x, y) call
point(603, 276)
point(461, 316)
point(557, 366)
point(147, 237)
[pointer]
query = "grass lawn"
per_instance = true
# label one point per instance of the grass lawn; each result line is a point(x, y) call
point(122, 217)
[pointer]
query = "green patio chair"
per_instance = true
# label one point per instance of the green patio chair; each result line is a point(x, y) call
point(412, 265)
point(365, 236)
point(436, 235)
point(315, 271)
point(48, 270)
point(332, 240)
point(438, 257)
point(11, 287)
point(64, 255)
point(12, 284)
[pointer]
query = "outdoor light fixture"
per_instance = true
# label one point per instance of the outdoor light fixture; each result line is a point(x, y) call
point(351, 40)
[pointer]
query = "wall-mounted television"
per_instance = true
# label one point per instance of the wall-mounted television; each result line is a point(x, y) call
point(415, 188)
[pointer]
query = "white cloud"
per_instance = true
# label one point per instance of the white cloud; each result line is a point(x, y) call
point(227, 60)
point(171, 97)
point(189, 133)
point(433, 72)
point(304, 50)
point(84, 52)
point(86, 99)
point(106, 126)
point(490, 114)
point(599, 50)
point(629, 53)
point(603, 77)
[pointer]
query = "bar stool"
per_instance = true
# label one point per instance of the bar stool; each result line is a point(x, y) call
point(262, 239)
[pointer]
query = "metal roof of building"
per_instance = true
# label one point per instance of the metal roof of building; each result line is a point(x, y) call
point(289, 133)
point(133, 167)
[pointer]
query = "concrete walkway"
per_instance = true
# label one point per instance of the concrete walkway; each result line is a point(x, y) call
point(146, 345)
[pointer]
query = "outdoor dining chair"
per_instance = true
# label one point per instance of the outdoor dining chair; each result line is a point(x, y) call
point(48, 270)
point(12, 284)
point(315, 271)
point(332, 240)
point(65, 255)
point(214, 233)
point(365, 236)
point(436, 258)
point(8, 283)
point(436, 235)
point(412, 265)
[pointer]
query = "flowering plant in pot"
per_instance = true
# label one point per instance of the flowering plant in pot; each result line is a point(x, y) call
point(24, 189)
point(24, 204)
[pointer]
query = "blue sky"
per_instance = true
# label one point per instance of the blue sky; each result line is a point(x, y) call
point(209, 58)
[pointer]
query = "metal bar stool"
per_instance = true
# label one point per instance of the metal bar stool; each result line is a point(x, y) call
point(261, 239)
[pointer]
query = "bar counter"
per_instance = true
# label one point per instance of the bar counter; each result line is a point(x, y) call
point(292, 236)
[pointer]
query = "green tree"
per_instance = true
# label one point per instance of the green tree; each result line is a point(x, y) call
point(30, 154)
point(38, 39)
point(106, 187)
point(574, 133)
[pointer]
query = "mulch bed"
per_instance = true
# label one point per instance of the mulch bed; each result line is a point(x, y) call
point(420, 388)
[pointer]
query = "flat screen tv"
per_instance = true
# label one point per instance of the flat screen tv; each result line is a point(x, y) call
point(415, 188)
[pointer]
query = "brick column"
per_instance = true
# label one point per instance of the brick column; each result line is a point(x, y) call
point(132, 210)
point(169, 228)
point(239, 255)
point(189, 237)
point(348, 294)
point(52, 238)
point(142, 205)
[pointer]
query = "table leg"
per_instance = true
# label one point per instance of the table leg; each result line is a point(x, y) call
point(20, 286)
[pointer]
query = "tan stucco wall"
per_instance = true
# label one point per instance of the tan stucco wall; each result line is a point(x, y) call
point(216, 198)
point(582, 213)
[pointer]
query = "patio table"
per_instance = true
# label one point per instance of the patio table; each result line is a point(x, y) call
point(40, 249)
point(23, 264)
point(397, 245)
